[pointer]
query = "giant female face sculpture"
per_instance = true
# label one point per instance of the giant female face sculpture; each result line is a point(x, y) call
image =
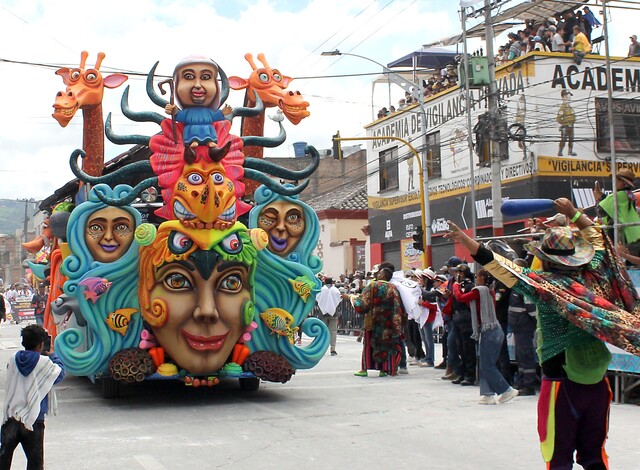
point(196, 292)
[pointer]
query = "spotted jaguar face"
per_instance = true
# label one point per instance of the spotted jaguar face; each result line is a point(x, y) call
point(203, 197)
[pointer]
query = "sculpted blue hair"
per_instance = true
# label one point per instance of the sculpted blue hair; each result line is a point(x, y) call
point(273, 287)
point(102, 341)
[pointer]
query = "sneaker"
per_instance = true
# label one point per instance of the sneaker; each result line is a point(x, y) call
point(488, 400)
point(467, 382)
point(402, 371)
point(451, 376)
point(526, 391)
point(361, 373)
point(333, 353)
point(415, 363)
point(458, 381)
point(509, 395)
point(442, 365)
point(426, 364)
point(573, 154)
point(384, 374)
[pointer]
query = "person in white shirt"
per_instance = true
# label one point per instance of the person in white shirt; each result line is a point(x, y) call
point(328, 300)
point(558, 43)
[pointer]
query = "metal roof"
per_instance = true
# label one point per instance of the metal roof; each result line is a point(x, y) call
point(538, 10)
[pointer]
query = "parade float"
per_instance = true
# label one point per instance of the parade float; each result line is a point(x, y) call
point(218, 289)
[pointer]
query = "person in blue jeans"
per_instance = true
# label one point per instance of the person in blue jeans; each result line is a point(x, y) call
point(487, 330)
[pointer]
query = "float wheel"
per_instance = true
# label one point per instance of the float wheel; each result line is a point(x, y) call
point(249, 384)
point(110, 388)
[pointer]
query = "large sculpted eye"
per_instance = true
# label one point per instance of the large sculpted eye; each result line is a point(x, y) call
point(177, 281)
point(91, 76)
point(218, 178)
point(232, 283)
point(232, 244)
point(179, 243)
point(195, 178)
point(264, 77)
point(277, 77)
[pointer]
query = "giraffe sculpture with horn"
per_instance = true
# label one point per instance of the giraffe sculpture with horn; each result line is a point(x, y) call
point(85, 90)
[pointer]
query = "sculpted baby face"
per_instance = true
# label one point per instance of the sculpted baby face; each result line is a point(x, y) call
point(109, 233)
point(197, 85)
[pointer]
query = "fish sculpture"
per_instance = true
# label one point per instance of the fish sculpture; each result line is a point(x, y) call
point(120, 319)
point(302, 286)
point(94, 287)
point(280, 322)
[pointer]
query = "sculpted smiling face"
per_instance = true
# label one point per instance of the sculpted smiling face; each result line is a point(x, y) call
point(284, 223)
point(109, 233)
point(197, 85)
point(194, 300)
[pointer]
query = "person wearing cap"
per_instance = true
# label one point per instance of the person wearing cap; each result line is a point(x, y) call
point(584, 298)
point(634, 47)
point(463, 328)
point(539, 45)
point(588, 15)
point(566, 117)
point(627, 213)
point(581, 45)
point(514, 46)
point(328, 300)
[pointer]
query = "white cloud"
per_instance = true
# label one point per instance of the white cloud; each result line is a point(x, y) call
point(135, 34)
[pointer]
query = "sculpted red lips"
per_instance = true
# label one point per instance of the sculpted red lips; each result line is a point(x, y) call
point(202, 343)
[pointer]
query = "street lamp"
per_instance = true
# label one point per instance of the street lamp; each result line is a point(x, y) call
point(415, 91)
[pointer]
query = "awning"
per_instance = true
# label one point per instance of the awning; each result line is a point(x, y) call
point(427, 58)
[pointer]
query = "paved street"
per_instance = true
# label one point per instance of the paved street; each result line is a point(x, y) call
point(323, 418)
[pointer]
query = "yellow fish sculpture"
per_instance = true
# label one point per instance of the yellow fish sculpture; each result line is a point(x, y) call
point(119, 320)
point(280, 322)
point(302, 286)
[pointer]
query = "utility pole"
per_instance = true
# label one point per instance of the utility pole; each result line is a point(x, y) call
point(495, 122)
point(612, 136)
point(467, 89)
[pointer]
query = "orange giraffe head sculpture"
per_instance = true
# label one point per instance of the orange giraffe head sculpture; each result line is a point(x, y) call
point(271, 86)
point(85, 89)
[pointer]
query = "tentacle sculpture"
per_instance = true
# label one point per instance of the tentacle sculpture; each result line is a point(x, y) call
point(123, 139)
point(243, 111)
point(266, 141)
point(115, 177)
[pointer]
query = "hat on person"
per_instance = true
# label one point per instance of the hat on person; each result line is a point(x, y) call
point(428, 273)
point(626, 175)
point(444, 269)
point(562, 246)
point(441, 278)
point(513, 35)
point(555, 221)
point(453, 262)
point(537, 39)
point(565, 93)
point(552, 28)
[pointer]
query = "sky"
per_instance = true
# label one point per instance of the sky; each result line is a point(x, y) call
point(34, 149)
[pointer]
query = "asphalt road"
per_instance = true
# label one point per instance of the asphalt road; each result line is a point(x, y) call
point(324, 418)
